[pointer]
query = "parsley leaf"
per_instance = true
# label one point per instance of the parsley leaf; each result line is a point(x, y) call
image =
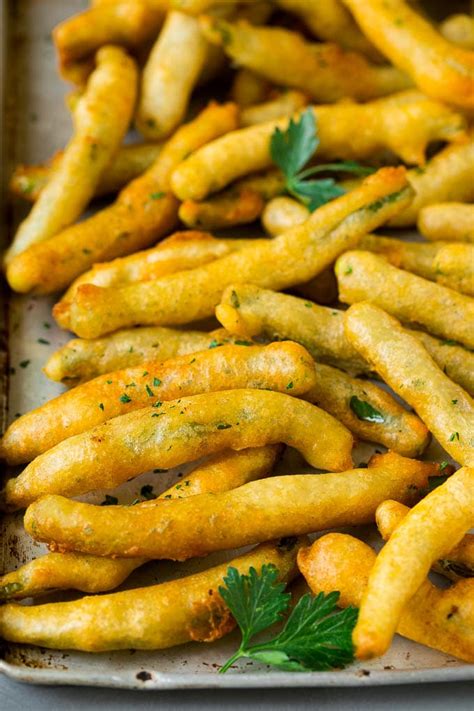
point(290, 150)
point(315, 193)
point(315, 636)
point(365, 411)
point(256, 601)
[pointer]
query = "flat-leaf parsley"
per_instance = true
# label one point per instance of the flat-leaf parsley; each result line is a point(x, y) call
point(314, 637)
point(291, 150)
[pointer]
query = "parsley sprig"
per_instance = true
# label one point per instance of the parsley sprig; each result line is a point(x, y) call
point(314, 637)
point(291, 150)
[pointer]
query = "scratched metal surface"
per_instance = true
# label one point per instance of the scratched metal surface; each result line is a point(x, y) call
point(35, 124)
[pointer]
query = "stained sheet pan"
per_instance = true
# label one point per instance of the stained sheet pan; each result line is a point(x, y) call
point(35, 123)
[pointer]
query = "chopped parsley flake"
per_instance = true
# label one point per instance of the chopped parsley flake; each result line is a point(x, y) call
point(234, 299)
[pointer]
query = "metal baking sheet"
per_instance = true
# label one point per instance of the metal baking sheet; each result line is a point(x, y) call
point(35, 124)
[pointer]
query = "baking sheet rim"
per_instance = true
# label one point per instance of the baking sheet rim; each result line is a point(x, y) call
point(244, 680)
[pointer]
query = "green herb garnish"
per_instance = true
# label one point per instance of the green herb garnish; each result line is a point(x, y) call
point(223, 426)
point(365, 411)
point(291, 150)
point(149, 391)
point(315, 636)
point(234, 299)
point(125, 398)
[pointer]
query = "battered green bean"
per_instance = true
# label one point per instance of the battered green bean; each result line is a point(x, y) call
point(363, 276)
point(269, 367)
point(178, 431)
point(281, 506)
point(91, 574)
point(407, 368)
point(278, 263)
point(155, 617)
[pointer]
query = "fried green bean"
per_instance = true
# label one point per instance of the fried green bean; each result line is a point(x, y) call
point(170, 75)
point(284, 104)
point(321, 331)
point(249, 88)
point(330, 21)
point(459, 29)
point(457, 564)
point(413, 44)
point(282, 213)
point(454, 360)
point(427, 533)
point(439, 618)
point(447, 221)
point(405, 365)
point(404, 123)
point(101, 121)
point(183, 250)
point(261, 312)
point(269, 367)
point(126, 22)
point(154, 617)
point(234, 206)
point(447, 177)
point(92, 574)
point(451, 265)
point(188, 296)
point(325, 72)
point(384, 420)
point(241, 202)
point(282, 505)
point(130, 161)
point(179, 431)
point(144, 211)
point(81, 360)
point(363, 276)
